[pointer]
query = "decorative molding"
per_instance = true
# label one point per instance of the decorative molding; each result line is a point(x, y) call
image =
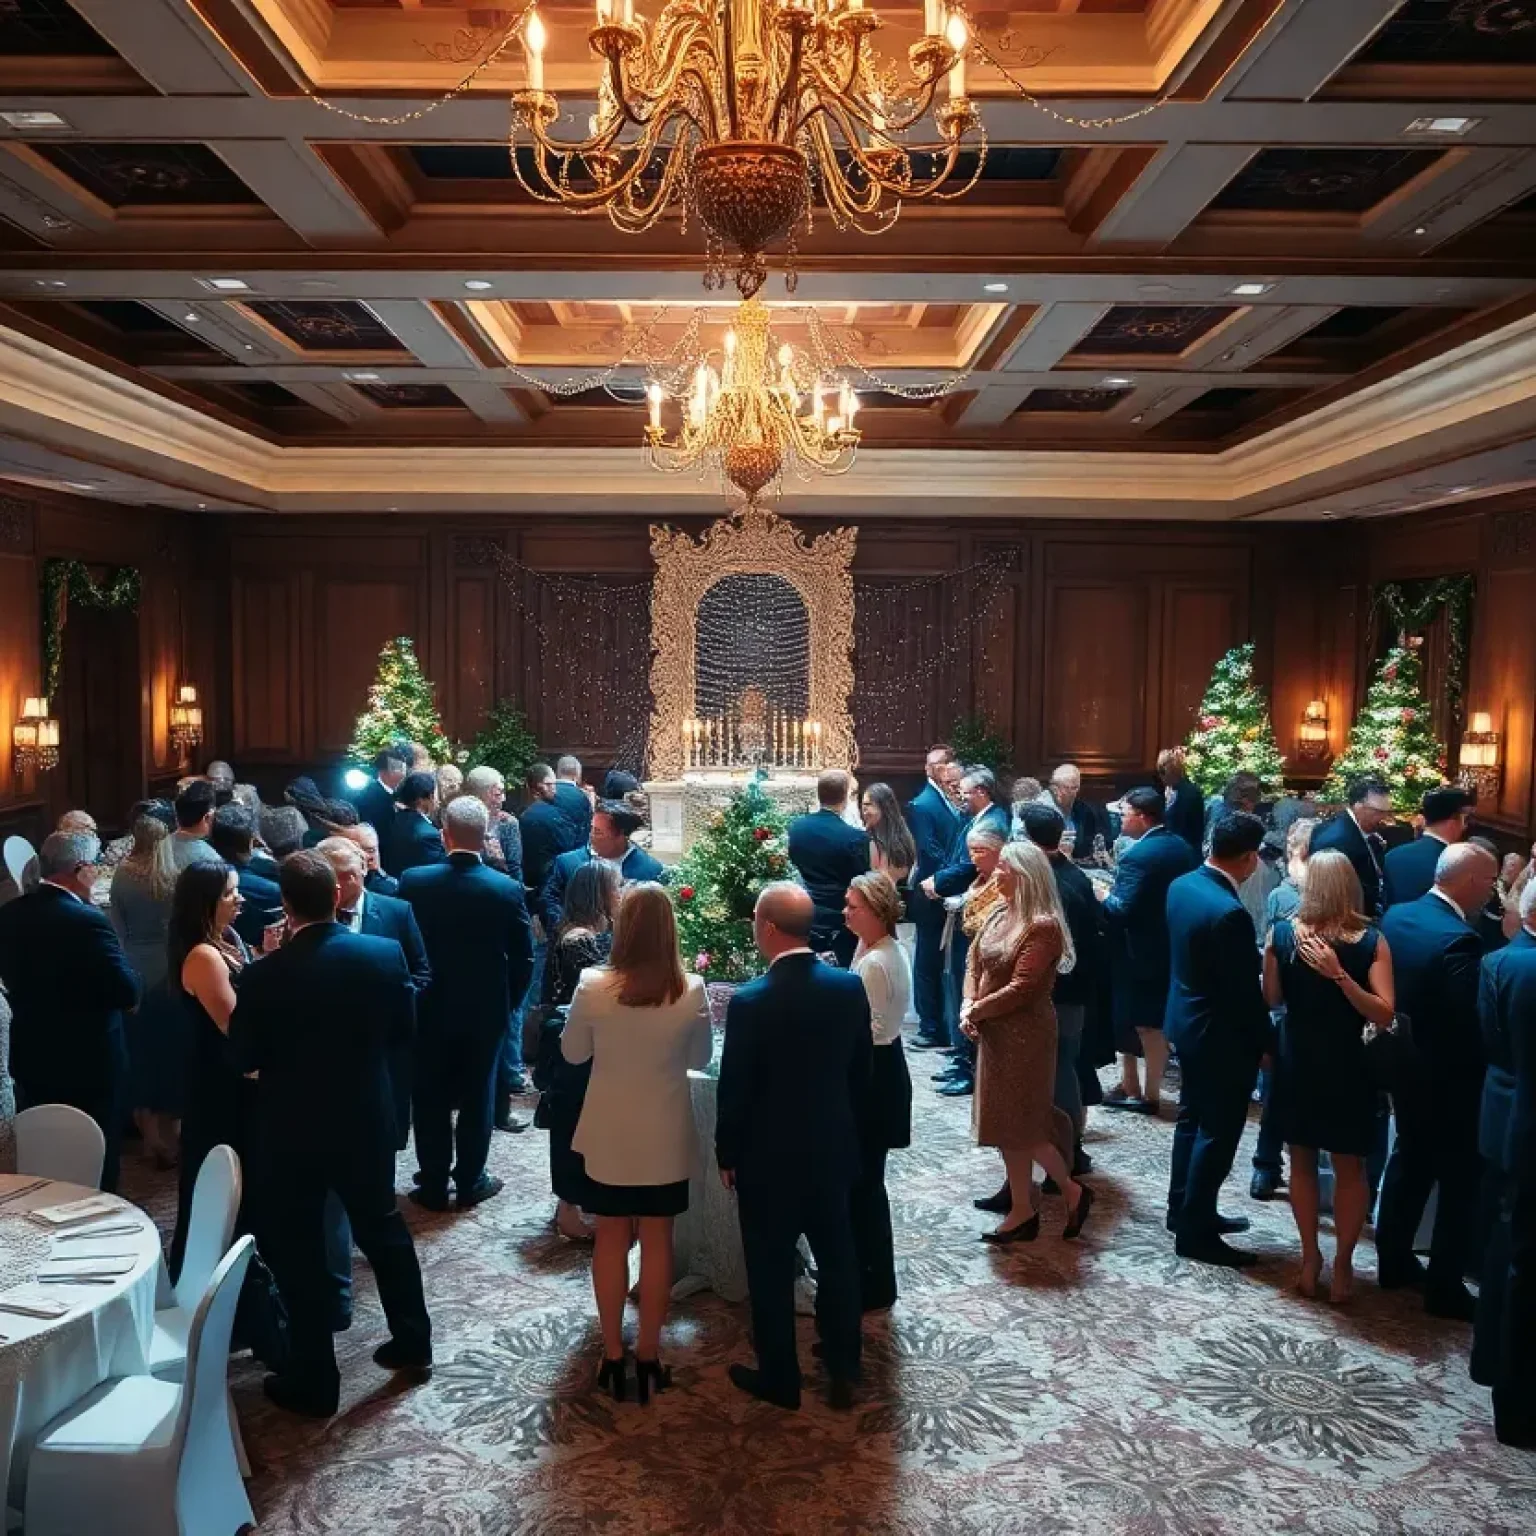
point(470, 549)
point(751, 541)
point(1514, 537)
point(17, 521)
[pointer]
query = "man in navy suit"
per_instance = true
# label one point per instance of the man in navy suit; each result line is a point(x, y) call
point(1136, 915)
point(547, 830)
point(1185, 815)
point(571, 800)
point(1504, 1340)
point(480, 944)
point(1217, 1021)
point(1409, 869)
point(982, 799)
point(375, 801)
point(935, 824)
point(1436, 955)
point(829, 853)
point(316, 1020)
point(1353, 833)
point(233, 838)
point(793, 1164)
point(413, 840)
point(69, 984)
point(613, 825)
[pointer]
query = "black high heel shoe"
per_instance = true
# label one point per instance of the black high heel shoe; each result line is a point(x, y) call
point(1080, 1215)
point(647, 1371)
point(612, 1376)
point(1025, 1232)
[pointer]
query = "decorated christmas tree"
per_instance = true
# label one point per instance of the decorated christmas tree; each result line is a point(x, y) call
point(743, 848)
point(1392, 738)
point(1232, 732)
point(402, 706)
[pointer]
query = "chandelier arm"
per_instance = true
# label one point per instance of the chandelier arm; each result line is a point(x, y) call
point(631, 215)
point(788, 90)
point(732, 102)
point(608, 193)
point(835, 181)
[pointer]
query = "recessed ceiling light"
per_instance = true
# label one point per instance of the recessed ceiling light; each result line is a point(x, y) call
point(1421, 229)
point(33, 120)
point(1116, 381)
point(995, 287)
point(1137, 419)
point(1453, 125)
point(1460, 490)
point(477, 284)
point(191, 317)
point(1328, 514)
point(225, 284)
point(1250, 290)
point(78, 485)
point(363, 378)
point(49, 282)
point(202, 506)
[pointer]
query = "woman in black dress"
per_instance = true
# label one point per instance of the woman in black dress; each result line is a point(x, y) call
point(1332, 971)
point(205, 960)
point(584, 939)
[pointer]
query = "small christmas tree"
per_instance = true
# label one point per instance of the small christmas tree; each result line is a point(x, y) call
point(402, 706)
point(505, 743)
point(743, 848)
point(1232, 732)
point(1392, 738)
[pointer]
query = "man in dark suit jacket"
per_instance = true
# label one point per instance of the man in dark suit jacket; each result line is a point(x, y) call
point(1136, 914)
point(480, 943)
point(1504, 1340)
point(981, 797)
point(413, 840)
point(375, 801)
point(1185, 816)
point(1436, 954)
point(547, 830)
point(571, 799)
point(1217, 1021)
point(793, 1170)
point(935, 823)
point(829, 853)
point(233, 838)
point(613, 824)
point(1409, 869)
point(316, 1020)
point(1353, 833)
point(69, 985)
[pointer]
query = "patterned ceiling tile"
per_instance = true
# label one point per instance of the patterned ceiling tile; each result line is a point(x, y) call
point(1160, 329)
point(48, 28)
point(143, 175)
point(1322, 180)
point(1077, 402)
point(412, 397)
point(1456, 32)
point(322, 326)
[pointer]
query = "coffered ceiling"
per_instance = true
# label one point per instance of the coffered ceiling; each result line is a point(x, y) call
point(1330, 213)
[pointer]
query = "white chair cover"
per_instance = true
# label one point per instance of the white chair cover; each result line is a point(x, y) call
point(17, 855)
point(58, 1141)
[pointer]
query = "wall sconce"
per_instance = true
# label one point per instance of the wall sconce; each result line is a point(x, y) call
point(1480, 756)
point(35, 738)
point(1314, 730)
point(186, 728)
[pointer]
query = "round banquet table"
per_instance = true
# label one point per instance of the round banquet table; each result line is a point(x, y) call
point(47, 1364)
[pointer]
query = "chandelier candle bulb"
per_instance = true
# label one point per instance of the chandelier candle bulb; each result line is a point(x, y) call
point(535, 38)
point(653, 394)
point(957, 38)
point(932, 11)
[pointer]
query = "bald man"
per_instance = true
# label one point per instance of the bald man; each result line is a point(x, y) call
point(793, 1159)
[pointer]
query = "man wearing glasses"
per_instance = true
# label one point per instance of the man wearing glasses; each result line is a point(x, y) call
point(69, 985)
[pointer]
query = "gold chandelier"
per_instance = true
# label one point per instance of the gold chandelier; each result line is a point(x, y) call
point(741, 111)
point(755, 415)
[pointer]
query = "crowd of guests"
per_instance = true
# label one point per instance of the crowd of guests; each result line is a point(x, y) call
point(308, 982)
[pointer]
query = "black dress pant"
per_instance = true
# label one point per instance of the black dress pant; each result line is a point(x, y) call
point(874, 1247)
point(291, 1205)
point(1439, 1147)
point(773, 1217)
point(455, 1075)
point(96, 1083)
point(928, 966)
point(1213, 1109)
point(1513, 1315)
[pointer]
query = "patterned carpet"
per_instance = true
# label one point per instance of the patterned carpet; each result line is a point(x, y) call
point(1104, 1386)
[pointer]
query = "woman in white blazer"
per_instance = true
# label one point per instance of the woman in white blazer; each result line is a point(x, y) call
point(643, 1023)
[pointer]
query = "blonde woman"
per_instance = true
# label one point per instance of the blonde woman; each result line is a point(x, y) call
point(1333, 972)
point(1014, 961)
point(503, 836)
point(643, 1024)
point(142, 887)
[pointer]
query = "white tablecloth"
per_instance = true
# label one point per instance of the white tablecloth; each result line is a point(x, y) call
point(706, 1238)
point(46, 1365)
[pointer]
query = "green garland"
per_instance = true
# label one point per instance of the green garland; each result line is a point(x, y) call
point(68, 581)
point(1412, 607)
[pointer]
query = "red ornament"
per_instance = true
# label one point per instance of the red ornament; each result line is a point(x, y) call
point(685, 893)
point(1209, 722)
point(762, 834)
point(1390, 673)
point(1409, 716)
point(1381, 754)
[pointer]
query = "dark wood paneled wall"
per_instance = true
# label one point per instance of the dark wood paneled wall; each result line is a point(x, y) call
point(1095, 647)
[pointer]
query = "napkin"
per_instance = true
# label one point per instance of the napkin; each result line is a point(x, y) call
point(73, 1211)
point(26, 1304)
point(107, 1268)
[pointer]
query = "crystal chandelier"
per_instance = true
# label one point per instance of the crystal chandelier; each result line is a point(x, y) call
point(754, 414)
point(746, 111)
point(186, 722)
